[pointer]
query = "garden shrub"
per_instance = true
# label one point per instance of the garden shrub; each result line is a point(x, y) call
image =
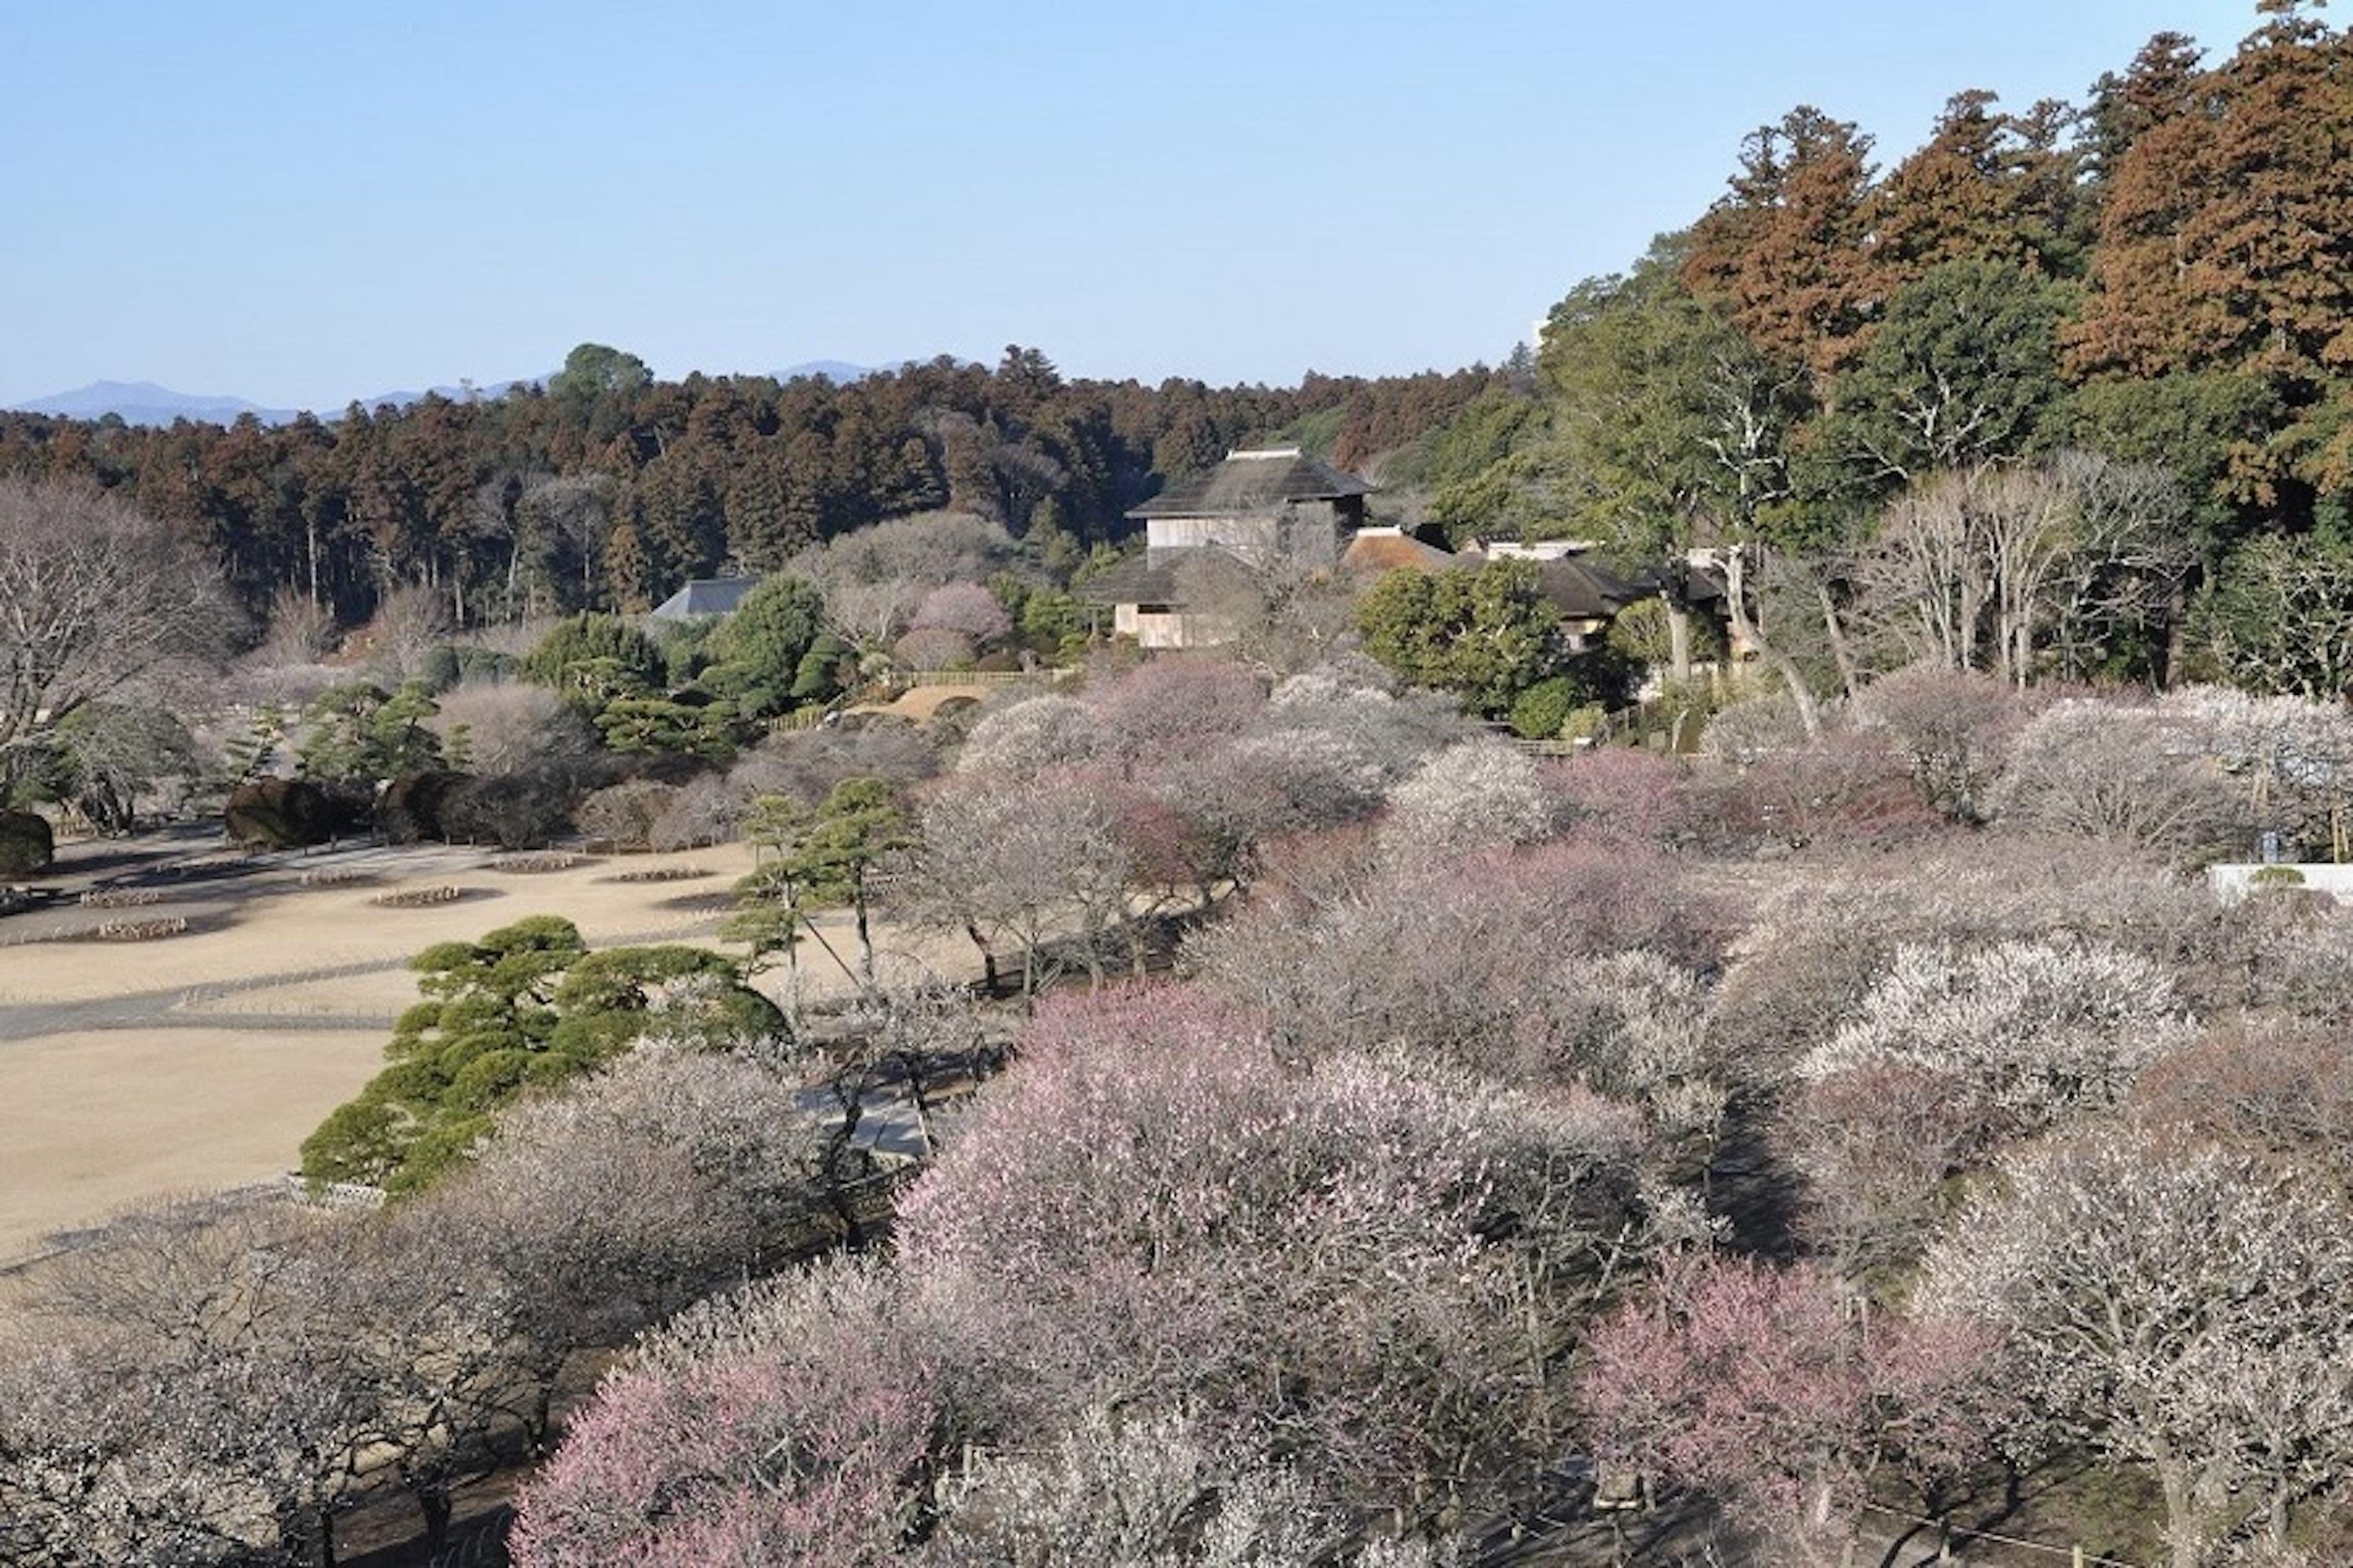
point(26, 843)
point(279, 814)
point(412, 805)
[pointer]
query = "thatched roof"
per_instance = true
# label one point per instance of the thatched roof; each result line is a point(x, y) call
point(1251, 482)
point(1587, 590)
point(1391, 549)
point(1161, 577)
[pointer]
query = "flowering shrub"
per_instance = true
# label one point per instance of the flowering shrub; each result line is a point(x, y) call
point(1474, 793)
point(1761, 1385)
point(2031, 1030)
point(1154, 1208)
point(782, 1424)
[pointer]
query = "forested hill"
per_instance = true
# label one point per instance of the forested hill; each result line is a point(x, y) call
point(2122, 330)
point(610, 487)
point(2133, 317)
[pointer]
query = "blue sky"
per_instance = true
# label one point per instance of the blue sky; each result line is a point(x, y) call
point(303, 202)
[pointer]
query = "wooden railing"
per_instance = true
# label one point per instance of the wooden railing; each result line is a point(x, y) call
point(980, 677)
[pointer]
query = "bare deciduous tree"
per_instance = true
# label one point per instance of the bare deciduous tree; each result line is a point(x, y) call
point(1953, 726)
point(509, 726)
point(1981, 568)
point(408, 622)
point(875, 579)
point(1042, 862)
point(299, 629)
point(93, 594)
point(569, 514)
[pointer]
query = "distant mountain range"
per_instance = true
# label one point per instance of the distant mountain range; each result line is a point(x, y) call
point(145, 403)
point(840, 371)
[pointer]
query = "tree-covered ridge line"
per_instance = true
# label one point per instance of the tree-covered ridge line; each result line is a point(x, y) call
point(2147, 303)
point(2159, 278)
point(609, 488)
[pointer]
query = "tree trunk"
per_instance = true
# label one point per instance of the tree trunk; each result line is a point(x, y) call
point(1972, 627)
point(913, 1069)
point(1736, 597)
point(433, 1503)
point(2181, 1514)
point(987, 959)
point(865, 935)
point(2177, 633)
point(1850, 677)
point(1679, 638)
point(306, 1534)
point(536, 1426)
point(793, 978)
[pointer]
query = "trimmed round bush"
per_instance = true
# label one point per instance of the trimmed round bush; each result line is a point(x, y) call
point(26, 844)
point(1539, 712)
point(279, 814)
point(514, 811)
point(411, 806)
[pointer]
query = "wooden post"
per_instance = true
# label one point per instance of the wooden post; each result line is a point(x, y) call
point(2077, 1562)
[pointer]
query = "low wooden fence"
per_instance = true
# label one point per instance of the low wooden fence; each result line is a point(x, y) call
point(982, 678)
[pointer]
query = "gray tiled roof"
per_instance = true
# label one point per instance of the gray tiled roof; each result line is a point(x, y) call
point(1587, 590)
point(705, 596)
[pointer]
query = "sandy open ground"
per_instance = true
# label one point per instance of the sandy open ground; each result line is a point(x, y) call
point(91, 1123)
point(277, 927)
point(130, 1073)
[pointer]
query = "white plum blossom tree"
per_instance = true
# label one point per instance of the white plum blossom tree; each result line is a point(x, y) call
point(2173, 1306)
point(1472, 793)
point(1034, 734)
point(2033, 1029)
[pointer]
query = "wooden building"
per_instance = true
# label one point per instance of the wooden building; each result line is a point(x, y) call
point(1258, 502)
point(1258, 507)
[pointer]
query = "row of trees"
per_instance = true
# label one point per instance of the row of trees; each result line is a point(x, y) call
point(609, 488)
point(2061, 392)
